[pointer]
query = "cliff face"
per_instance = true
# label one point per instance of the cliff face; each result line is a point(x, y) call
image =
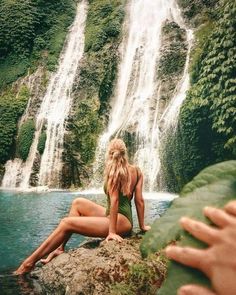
point(102, 268)
point(206, 128)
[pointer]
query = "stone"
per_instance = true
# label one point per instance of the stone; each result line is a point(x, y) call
point(93, 268)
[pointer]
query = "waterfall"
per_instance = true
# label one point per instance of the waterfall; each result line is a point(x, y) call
point(52, 114)
point(170, 115)
point(136, 103)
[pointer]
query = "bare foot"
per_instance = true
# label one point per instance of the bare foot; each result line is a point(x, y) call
point(52, 255)
point(23, 268)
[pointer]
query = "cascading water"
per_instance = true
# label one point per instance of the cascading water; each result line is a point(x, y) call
point(135, 108)
point(170, 115)
point(52, 114)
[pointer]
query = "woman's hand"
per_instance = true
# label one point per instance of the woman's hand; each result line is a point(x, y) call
point(219, 259)
point(113, 236)
point(145, 228)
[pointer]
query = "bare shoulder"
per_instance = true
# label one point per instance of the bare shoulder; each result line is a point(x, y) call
point(134, 169)
point(135, 172)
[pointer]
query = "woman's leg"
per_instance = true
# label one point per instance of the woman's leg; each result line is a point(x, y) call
point(88, 226)
point(79, 207)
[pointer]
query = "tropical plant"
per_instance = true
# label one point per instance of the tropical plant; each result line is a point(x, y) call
point(214, 186)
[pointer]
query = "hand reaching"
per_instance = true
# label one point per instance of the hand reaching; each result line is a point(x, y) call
point(113, 236)
point(218, 261)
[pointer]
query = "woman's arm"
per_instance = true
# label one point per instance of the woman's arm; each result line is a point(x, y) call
point(114, 199)
point(139, 203)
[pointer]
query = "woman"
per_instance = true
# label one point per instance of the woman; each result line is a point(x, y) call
point(122, 180)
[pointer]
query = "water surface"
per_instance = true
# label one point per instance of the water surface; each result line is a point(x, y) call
point(26, 219)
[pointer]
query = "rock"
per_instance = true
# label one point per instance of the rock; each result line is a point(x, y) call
point(96, 267)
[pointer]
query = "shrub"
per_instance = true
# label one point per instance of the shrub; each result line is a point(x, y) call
point(42, 142)
point(12, 107)
point(25, 138)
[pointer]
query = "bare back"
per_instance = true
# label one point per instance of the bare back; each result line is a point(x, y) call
point(135, 174)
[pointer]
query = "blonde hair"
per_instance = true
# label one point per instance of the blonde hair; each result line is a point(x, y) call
point(116, 174)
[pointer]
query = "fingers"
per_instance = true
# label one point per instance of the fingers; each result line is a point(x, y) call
point(219, 217)
point(119, 239)
point(194, 290)
point(200, 230)
point(231, 208)
point(114, 238)
point(188, 256)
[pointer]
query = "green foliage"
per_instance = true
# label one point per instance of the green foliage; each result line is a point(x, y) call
point(18, 20)
point(201, 38)
point(12, 67)
point(42, 141)
point(25, 138)
point(81, 142)
point(12, 106)
point(206, 133)
point(198, 11)
point(104, 23)
point(214, 186)
point(2, 171)
point(94, 88)
point(86, 127)
point(31, 32)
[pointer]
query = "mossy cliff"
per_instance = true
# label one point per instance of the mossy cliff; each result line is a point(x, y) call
point(206, 131)
point(93, 88)
point(12, 106)
point(32, 34)
point(172, 60)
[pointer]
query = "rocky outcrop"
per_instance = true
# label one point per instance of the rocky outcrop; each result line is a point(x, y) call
point(2, 171)
point(102, 268)
point(172, 60)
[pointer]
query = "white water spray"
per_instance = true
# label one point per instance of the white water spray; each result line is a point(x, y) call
point(54, 110)
point(135, 106)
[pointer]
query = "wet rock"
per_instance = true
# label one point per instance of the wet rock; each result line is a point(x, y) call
point(93, 268)
point(172, 61)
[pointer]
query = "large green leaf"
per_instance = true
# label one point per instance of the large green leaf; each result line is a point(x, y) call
point(214, 186)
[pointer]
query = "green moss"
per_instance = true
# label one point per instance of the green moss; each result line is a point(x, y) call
point(2, 171)
point(201, 38)
point(173, 60)
point(103, 23)
point(42, 142)
point(142, 278)
point(25, 138)
point(12, 106)
point(198, 11)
